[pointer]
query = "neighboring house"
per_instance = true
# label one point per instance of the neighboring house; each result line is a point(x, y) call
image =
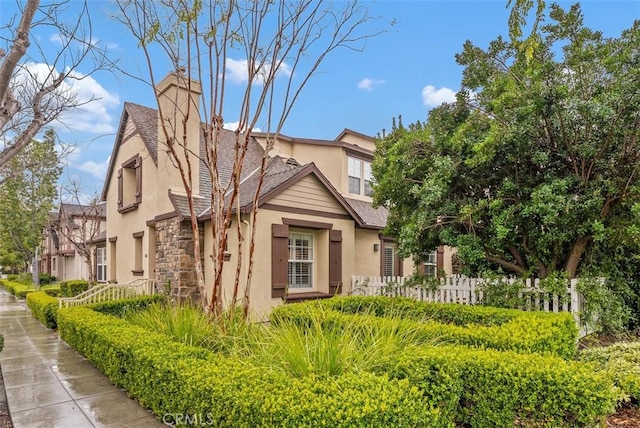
point(316, 226)
point(73, 232)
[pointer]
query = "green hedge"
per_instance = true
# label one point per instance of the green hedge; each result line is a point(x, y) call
point(17, 289)
point(119, 308)
point(489, 388)
point(621, 362)
point(172, 378)
point(52, 290)
point(73, 287)
point(539, 332)
point(44, 308)
point(1, 342)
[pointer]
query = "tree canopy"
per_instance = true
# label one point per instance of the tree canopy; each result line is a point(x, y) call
point(27, 193)
point(535, 165)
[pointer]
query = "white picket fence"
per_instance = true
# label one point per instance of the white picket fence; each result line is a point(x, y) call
point(469, 291)
point(105, 292)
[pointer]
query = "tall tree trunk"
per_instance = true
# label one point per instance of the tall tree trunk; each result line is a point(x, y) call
point(576, 255)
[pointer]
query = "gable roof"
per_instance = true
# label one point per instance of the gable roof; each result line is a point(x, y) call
point(318, 142)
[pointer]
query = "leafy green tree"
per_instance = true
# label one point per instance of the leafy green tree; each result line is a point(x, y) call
point(27, 193)
point(536, 164)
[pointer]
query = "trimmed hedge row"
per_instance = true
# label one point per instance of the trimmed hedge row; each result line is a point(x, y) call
point(621, 362)
point(403, 307)
point(488, 388)
point(553, 334)
point(73, 287)
point(172, 378)
point(17, 289)
point(119, 308)
point(44, 308)
point(21, 290)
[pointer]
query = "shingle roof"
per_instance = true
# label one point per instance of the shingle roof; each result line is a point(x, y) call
point(95, 210)
point(145, 120)
point(372, 217)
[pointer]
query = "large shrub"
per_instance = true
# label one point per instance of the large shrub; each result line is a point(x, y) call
point(43, 307)
point(73, 287)
point(173, 378)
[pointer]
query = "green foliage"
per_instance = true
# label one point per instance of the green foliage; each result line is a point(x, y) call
point(171, 377)
point(544, 333)
point(44, 308)
point(73, 287)
point(487, 388)
point(537, 168)
point(1, 342)
point(317, 347)
point(51, 290)
point(123, 307)
point(184, 323)
point(46, 278)
point(621, 362)
point(27, 193)
point(18, 289)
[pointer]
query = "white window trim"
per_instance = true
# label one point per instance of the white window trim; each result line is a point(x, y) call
point(363, 167)
point(101, 261)
point(312, 262)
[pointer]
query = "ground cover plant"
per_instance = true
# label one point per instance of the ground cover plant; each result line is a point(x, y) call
point(620, 362)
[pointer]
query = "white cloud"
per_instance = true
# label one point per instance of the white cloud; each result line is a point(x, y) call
point(98, 170)
point(93, 102)
point(237, 71)
point(367, 84)
point(232, 126)
point(433, 97)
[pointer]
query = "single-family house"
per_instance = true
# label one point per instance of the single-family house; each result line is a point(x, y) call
point(316, 226)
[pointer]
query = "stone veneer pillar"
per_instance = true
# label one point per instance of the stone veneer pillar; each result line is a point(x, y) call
point(175, 262)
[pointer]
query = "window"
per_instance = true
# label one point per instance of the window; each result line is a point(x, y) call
point(101, 264)
point(389, 261)
point(300, 260)
point(307, 259)
point(137, 270)
point(360, 177)
point(130, 184)
point(430, 264)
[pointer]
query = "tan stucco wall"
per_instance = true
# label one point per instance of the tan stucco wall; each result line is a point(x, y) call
point(359, 140)
point(260, 297)
point(123, 226)
point(367, 260)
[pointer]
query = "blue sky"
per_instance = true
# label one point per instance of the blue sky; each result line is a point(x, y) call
point(407, 70)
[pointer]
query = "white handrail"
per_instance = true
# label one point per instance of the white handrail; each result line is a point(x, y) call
point(139, 287)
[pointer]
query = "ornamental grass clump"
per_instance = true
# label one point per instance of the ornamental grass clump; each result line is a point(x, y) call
point(322, 346)
point(227, 332)
point(185, 324)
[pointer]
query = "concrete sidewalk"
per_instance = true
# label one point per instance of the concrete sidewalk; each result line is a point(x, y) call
point(49, 384)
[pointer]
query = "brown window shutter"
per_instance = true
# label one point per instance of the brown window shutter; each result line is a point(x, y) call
point(279, 259)
point(120, 189)
point(439, 260)
point(138, 167)
point(335, 261)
